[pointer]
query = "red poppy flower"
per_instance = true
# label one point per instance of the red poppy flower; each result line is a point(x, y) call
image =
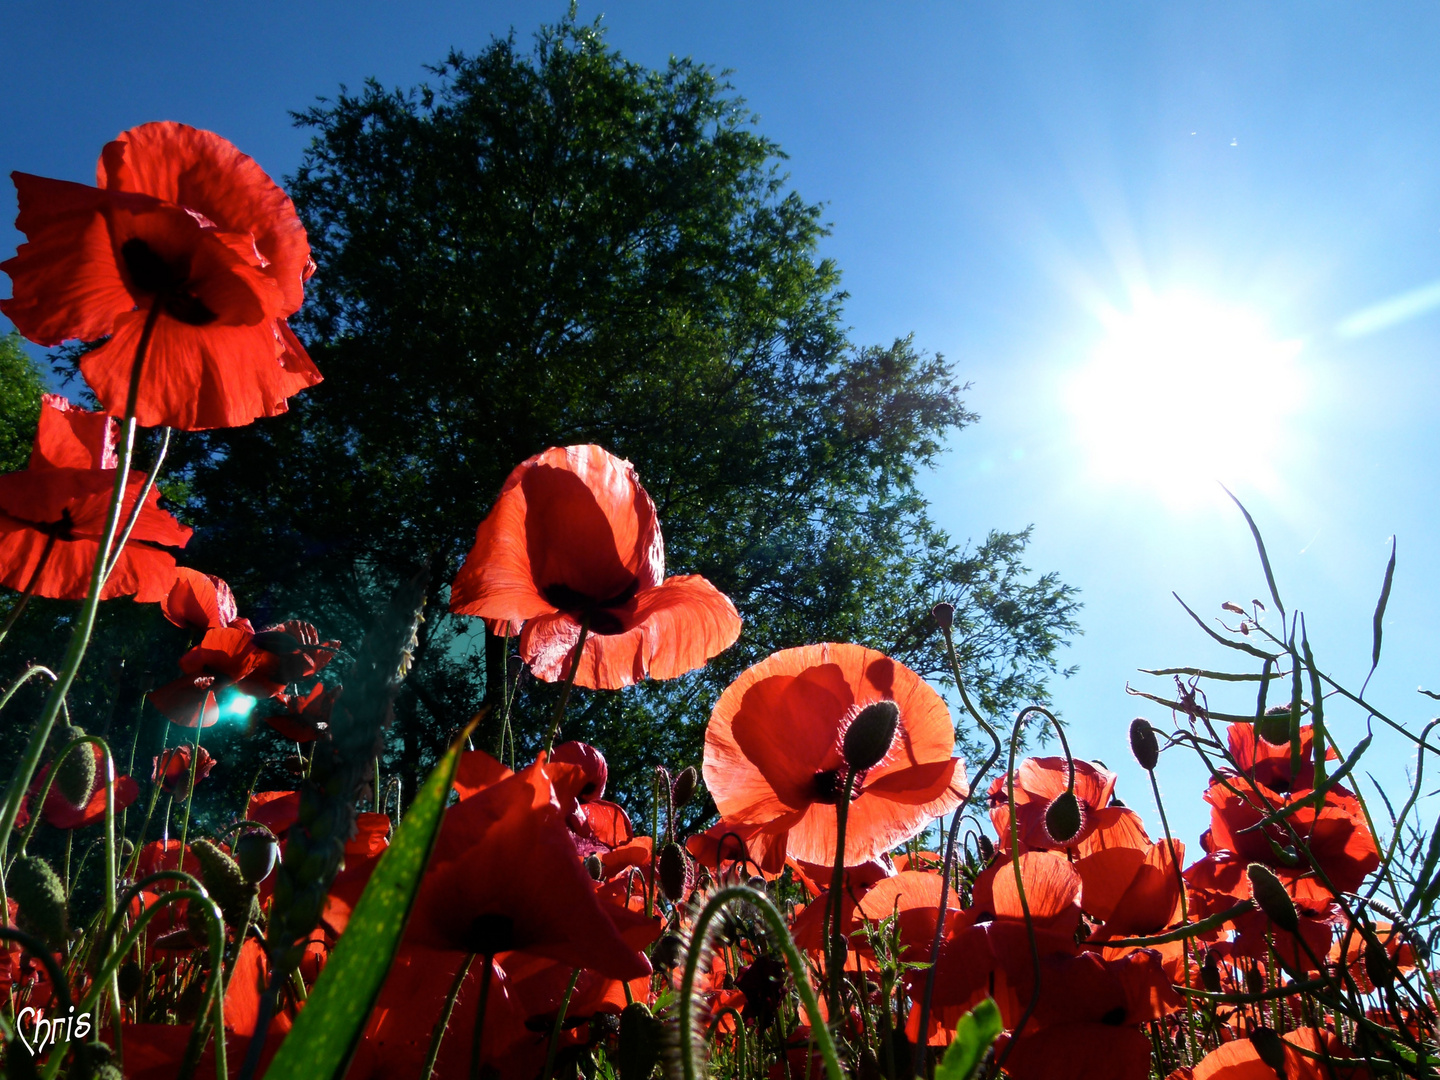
point(1219, 880)
point(505, 875)
point(235, 658)
point(1038, 782)
point(1309, 1055)
point(199, 601)
point(52, 514)
point(61, 813)
point(306, 716)
point(573, 538)
point(773, 752)
point(183, 222)
point(171, 770)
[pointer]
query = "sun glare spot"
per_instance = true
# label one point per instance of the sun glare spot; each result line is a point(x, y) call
point(1182, 392)
point(237, 706)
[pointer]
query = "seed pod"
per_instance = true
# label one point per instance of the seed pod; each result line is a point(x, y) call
point(1275, 725)
point(1143, 743)
point(672, 872)
point(594, 867)
point(1272, 898)
point(667, 952)
point(1270, 1047)
point(944, 615)
point(683, 789)
point(225, 883)
point(131, 979)
point(256, 853)
point(1064, 818)
point(76, 775)
point(1377, 962)
point(870, 734)
point(1210, 973)
point(36, 888)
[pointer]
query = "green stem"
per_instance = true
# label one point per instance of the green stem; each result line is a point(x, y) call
point(798, 972)
point(443, 1022)
point(575, 659)
point(144, 494)
point(190, 794)
point(554, 1032)
point(477, 1038)
point(835, 910)
point(85, 622)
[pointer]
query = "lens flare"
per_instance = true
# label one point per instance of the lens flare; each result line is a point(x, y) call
point(236, 706)
point(1182, 392)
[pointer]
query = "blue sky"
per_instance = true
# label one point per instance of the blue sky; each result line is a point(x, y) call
point(1009, 182)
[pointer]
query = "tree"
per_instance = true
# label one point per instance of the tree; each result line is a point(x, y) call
point(562, 246)
point(21, 385)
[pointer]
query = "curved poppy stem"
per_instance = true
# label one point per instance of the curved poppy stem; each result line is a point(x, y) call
point(569, 682)
point(437, 1035)
point(1019, 877)
point(477, 1039)
point(85, 623)
point(948, 865)
point(24, 601)
point(775, 922)
point(554, 1034)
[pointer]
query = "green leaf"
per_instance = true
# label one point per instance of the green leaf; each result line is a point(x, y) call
point(1379, 620)
point(973, 1035)
point(327, 1028)
point(1260, 546)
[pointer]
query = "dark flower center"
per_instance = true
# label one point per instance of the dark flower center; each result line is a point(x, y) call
point(64, 529)
point(1115, 1017)
point(151, 273)
point(491, 933)
point(578, 605)
point(827, 787)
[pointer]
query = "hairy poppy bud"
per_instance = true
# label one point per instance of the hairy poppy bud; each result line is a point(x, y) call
point(95, 1061)
point(870, 734)
point(1064, 818)
point(594, 867)
point(667, 952)
point(36, 888)
point(683, 789)
point(256, 853)
point(987, 849)
point(1377, 962)
point(756, 883)
point(1270, 1047)
point(1143, 743)
point(226, 883)
point(1272, 898)
point(1210, 973)
point(944, 614)
point(76, 775)
point(130, 978)
point(672, 872)
point(641, 1037)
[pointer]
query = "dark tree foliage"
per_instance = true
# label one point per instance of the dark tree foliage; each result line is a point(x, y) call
point(558, 246)
point(21, 385)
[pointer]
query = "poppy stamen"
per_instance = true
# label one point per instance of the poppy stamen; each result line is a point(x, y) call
point(152, 273)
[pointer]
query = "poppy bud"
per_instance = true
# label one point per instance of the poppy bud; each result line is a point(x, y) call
point(130, 978)
point(225, 883)
point(1272, 898)
point(594, 867)
point(1377, 962)
point(987, 849)
point(1143, 743)
point(640, 1039)
point(1210, 973)
point(684, 788)
point(870, 734)
point(95, 1061)
point(279, 642)
point(756, 883)
point(76, 775)
point(1270, 1047)
point(672, 872)
point(667, 952)
point(944, 615)
point(36, 888)
point(1064, 818)
point(256, 852)
point(1254, 981)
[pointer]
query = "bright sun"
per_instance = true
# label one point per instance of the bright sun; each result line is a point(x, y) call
point(1182, 392)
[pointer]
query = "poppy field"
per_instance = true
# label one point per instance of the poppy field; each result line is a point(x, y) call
point(860, 902)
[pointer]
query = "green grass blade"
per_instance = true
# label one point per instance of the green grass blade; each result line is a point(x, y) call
point(1260, 546)
point(334, 1015)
